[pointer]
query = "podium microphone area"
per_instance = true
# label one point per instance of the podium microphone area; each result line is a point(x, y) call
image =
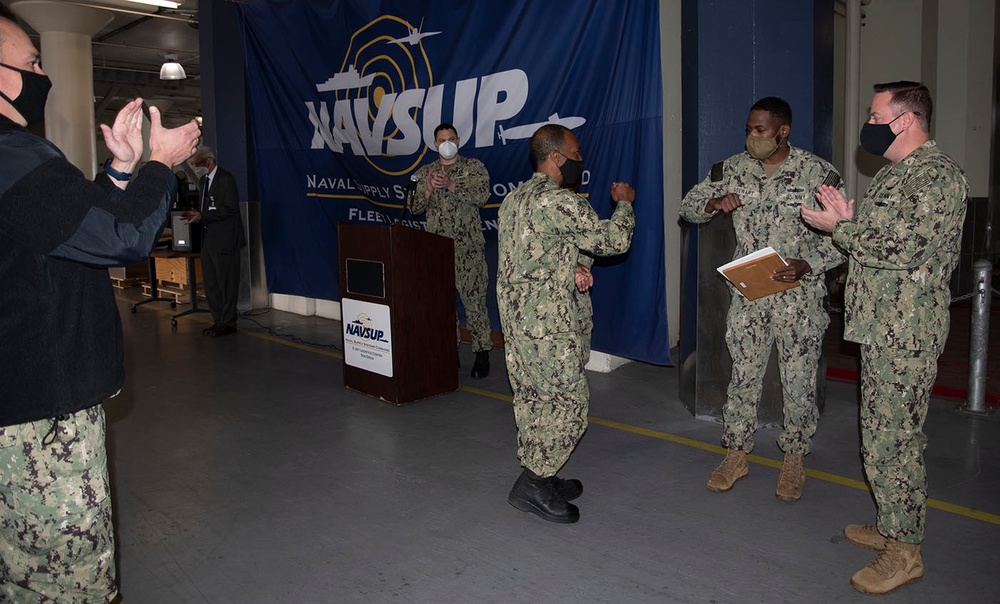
point(411, 187)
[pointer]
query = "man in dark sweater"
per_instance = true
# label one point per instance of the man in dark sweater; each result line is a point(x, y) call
point(62, 350)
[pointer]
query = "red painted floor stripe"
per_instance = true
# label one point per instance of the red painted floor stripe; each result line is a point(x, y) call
point(848, 375)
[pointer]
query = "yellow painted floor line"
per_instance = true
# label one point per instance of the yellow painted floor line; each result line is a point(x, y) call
point(244, 332)
point(757, 459)
point(937, 504)
point(486, 393)
point(266, 336)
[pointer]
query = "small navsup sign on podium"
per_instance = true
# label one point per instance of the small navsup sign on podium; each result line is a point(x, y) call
point(367, 336)
point(398, 308)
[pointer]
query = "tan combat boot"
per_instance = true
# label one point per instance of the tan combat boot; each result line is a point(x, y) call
point(732, 468)
point(865, 536)
point(897, 565)
point(792, 478)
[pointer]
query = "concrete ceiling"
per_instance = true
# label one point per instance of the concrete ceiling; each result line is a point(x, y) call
point(128, 53)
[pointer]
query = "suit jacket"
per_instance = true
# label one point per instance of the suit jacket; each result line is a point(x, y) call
point(221, 220)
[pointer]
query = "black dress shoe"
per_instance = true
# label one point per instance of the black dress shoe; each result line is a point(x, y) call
point(223, 330)
point(210, 331)
point(481, 368)
point(570, 489)
point(532, 493)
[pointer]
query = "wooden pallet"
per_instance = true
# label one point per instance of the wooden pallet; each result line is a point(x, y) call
point(125, 283)
point(179, 295)
point(175, 285)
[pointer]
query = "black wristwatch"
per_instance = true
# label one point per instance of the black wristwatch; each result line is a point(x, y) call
point(115, 174)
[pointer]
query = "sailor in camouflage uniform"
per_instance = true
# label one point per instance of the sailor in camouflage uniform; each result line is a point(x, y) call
point(763, 189)
point(545, 313)
point(903, 243)
point(454, 189)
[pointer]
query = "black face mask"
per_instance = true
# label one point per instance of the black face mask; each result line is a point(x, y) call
point(571, 170)
point(34, 92)
point(877, 138)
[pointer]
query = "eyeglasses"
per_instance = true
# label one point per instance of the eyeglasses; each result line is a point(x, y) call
point(568, 157)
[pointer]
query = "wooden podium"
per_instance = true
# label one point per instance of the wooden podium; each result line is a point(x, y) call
point(397, 288)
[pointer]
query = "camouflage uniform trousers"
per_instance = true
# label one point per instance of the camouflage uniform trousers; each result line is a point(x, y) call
point(56, 537)
point(471, 277)
point(895, 393)
point(796, 325)
point(551, 398)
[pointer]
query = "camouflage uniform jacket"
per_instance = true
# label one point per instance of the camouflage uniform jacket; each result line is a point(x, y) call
point(903, 245)
point(455, 215)
point(542, 230)
point(770, 216)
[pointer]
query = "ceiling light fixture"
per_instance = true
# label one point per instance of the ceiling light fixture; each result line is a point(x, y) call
point(163, 3)
point(172, 70)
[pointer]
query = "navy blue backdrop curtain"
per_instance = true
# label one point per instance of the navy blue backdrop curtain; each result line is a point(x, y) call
point(345, 96)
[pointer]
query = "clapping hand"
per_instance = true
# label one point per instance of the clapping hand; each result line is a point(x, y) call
point(171, 146)
point(124, 137)
point(833, 208)
point(440, 180)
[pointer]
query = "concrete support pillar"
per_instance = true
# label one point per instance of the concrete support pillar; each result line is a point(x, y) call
point(66, 31)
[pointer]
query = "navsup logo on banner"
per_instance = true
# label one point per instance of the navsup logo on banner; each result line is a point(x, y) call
point(384, 106)
point(345, 95)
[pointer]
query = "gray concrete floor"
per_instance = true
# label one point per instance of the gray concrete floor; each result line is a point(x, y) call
point(244, 472)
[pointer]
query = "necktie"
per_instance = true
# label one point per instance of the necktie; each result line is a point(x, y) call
point(204, 194)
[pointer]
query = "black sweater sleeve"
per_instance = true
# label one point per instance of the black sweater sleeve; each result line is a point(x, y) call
point(56, 211)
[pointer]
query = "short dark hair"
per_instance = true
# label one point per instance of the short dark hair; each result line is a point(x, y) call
point(910, 96)
point(545, 140)
point(444, 126)
point(6, 13)
point(777, 107)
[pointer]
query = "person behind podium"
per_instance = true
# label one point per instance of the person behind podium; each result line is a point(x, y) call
point(62, 351)
point(221, 240)
point(454, 188)
point(903, 241)
point(763, 189)
point(544, 230)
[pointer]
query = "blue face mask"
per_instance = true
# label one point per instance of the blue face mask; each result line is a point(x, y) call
point(34, 93)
